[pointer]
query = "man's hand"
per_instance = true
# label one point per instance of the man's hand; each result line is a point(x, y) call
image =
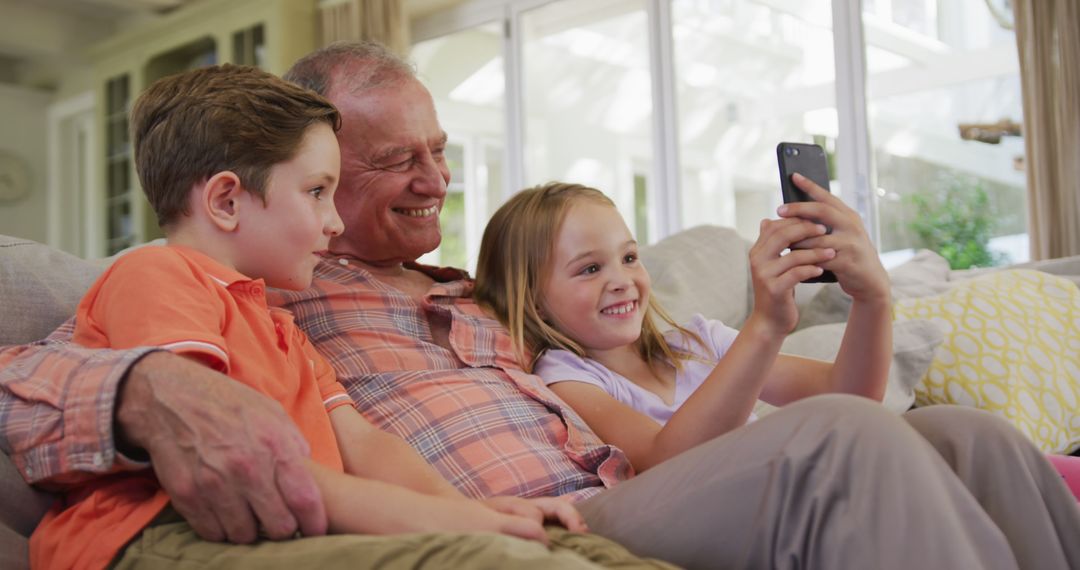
point(856, 263)
point(229, 457)
point(541, 509)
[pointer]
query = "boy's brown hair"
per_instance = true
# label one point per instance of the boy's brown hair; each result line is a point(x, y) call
point(514, 256)
point(190, 126)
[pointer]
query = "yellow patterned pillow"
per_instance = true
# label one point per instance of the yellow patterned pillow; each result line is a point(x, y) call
point(1012, 346)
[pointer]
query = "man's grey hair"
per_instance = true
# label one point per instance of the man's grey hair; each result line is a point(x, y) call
point(357, 66)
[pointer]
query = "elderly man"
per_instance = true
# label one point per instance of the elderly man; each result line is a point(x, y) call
point(827, 482)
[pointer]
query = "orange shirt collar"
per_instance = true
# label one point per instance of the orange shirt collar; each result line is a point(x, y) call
point(227, 276)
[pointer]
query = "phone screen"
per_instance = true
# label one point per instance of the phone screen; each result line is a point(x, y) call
point(810, 161)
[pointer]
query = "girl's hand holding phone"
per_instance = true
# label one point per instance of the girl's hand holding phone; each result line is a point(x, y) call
point(855, 263)
point(774, 276)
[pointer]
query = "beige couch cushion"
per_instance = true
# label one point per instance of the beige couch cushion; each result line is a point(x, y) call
point(22, 508)
point(39, 288)
point(914, 343)
point(23, 505)
point(704, 270)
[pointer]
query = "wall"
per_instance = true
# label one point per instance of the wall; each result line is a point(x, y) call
point(22, 132)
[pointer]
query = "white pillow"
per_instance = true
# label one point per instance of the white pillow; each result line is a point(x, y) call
point(914, 342)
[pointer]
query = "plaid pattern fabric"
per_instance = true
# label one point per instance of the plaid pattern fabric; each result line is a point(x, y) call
point(486, 426)
point(56, 408)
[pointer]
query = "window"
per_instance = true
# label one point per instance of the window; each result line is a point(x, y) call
point(914, 100)
point(119, 225)
point(464, 72)
point(587, 99)
point(249, 47)
point(945, 113)
point(748, 76)
point(192, 55)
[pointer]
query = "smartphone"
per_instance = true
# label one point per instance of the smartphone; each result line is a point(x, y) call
point(810, 161)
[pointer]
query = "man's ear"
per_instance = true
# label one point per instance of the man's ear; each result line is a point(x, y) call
point(221, 198)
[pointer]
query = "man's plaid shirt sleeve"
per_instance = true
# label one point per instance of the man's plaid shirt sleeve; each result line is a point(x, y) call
point(56, 409)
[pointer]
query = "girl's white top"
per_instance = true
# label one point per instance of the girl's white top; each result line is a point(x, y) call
point(562, 366)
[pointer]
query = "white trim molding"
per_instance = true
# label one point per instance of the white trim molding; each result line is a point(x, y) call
point(80, 108)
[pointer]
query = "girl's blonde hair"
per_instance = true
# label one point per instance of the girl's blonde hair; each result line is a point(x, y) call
point(514, 256)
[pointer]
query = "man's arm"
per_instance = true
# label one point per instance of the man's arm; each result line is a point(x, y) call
point(56, 409)
point(221, 450)
point(229, 457)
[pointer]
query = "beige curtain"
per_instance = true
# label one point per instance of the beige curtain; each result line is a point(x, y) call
point(1048, 38)
point(350, 20)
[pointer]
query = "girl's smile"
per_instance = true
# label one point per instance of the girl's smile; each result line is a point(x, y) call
point(621, 310)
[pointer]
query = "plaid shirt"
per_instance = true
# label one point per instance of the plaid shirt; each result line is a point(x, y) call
point(488, 427)
point(484, 424)
point(56, 409)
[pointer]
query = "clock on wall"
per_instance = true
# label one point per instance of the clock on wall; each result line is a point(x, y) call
point(14, 177)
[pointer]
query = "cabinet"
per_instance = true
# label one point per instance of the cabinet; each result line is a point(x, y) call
point(270, 34)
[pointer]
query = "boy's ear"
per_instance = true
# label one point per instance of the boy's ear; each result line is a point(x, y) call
point(220, 199)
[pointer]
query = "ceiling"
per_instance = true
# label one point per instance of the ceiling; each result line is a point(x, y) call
point(40, 40)
point(120, 5)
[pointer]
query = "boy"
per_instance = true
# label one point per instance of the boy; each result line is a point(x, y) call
point(241, 168)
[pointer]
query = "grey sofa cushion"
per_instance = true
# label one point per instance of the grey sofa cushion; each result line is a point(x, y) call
point(22, 508)
point(23, 505)
point(14, 550)
point(39, 287)
point(704, 270)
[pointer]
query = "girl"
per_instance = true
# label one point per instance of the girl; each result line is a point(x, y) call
point(559, 267)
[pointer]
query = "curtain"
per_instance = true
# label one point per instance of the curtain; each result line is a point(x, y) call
point(350, 20)
point(1048, 39)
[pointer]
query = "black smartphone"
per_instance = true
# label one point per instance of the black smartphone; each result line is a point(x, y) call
point(810, 161)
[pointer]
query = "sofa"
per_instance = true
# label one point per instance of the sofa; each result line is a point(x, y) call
point(700, 270)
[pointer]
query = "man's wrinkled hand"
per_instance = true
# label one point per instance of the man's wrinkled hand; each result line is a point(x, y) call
point(229, 457)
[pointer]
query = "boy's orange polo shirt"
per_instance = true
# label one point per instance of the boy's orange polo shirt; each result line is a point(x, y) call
point(181, 300)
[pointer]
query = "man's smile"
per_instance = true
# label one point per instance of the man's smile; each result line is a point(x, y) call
point(418, 212)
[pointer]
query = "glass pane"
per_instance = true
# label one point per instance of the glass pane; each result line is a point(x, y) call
point(116, 245)
point(117, 135)
point(242, 50)
point(193, 55)
point(258, 40)
point(588, 100)
point(945, 113)
point(464, 72)
point(452, 218)
point(120, 224)
point(118, 173)
point(248, 46)
point(748, 75)
point(116, 94)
